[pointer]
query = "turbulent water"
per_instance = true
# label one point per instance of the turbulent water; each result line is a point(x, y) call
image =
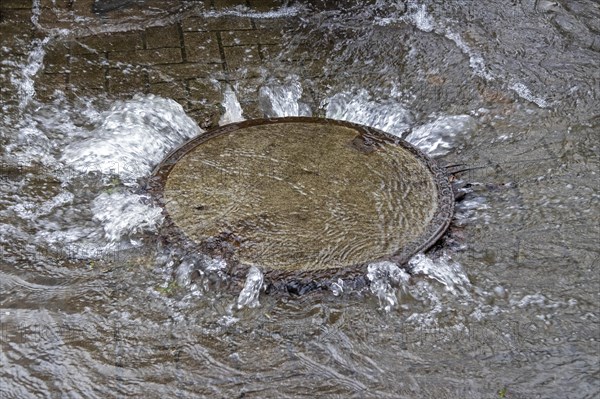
point(506, 96)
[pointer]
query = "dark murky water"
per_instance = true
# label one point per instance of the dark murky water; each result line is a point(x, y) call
point(93, 306)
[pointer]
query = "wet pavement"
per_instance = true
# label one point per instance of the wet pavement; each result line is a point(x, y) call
point(177, 52)
point(96, 93)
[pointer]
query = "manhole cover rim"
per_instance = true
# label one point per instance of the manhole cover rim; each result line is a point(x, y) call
point(431, 234)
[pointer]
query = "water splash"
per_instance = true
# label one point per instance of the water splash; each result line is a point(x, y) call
point(524, 92)
point(435, 138)
point(444, 271)
point(422, 20)
point(249, 295)
point(76, 243)
point(23, 77)
point(30, 210)
point(215, 264)
point(384, 278)
point(233, 109)
point(278, 100)
point(337, 287)
point(115, 222)
point(85, 218)
point(245, 12)
point(358, 107)
point(387, 280)
point(438, 137)
point(418, 15)
point(124, 215)
point(36, 12)
point(425, 293)
point(183, 272)
point(443, 278)
point(133, 137)
point(212, 266)
point(476, 61)
point(42, 131)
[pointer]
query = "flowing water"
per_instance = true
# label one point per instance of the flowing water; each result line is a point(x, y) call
point(506, 95)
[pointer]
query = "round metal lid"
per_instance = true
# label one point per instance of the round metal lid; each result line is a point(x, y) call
point(303, 195)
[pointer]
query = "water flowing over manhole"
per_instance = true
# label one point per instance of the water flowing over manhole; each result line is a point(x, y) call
point(303, 198)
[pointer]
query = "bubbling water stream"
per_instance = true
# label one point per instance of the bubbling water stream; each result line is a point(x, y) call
point(95, 305)
point(132, 136)
point(436, 138)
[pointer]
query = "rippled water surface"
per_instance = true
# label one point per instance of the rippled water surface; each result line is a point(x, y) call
point(274, 195)
point(506, 96)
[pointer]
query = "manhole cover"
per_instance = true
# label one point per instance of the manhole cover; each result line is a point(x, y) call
point(303, 197)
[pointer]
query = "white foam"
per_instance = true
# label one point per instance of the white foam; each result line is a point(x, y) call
point(23, 76)
point(279, 100)
point(183, 273)
point(31, 211)
point(35, 12)
point(384, 279)
point(233, 109)
point(423, 21)
point(424, 292)
point(524, 92)
point(438, 137)
point(358, 107)
point(444, 271)
point(245, 12)
point(123, 215)
point(133, 137)
point(537, 300)
point(215, 264)
point(337, 288)
point(249, 295)
point(476, 61)
point(418, 14)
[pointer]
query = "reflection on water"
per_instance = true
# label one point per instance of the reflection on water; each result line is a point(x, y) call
point(94, 305)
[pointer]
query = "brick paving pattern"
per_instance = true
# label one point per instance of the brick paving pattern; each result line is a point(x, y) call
point(189, 56)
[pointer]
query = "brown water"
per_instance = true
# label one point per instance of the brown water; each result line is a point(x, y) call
point(507, 306)
point(277, 195)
